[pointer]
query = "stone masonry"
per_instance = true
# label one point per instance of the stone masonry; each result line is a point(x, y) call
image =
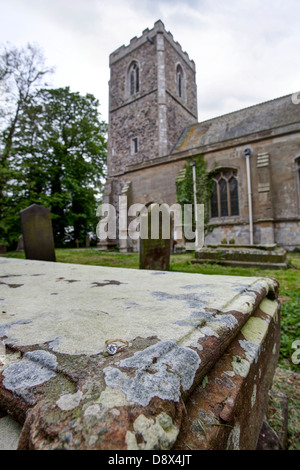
point(155, 114)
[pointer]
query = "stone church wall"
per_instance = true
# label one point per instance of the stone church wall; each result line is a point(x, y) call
point(134, 121)
point(189, 99)
point(275, 195)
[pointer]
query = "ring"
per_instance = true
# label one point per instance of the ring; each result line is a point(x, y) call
point(112, 347)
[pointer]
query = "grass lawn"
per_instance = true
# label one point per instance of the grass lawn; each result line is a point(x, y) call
point(288, 374)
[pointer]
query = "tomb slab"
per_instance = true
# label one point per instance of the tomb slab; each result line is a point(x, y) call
point(171, 329)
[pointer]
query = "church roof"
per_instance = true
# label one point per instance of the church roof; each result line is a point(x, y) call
point(260, 118)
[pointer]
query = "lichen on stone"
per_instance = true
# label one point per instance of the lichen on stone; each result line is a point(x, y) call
point(240, 366)
point(69, 401)
point(162, 370)
point(112, 397)
point(156, 433)
point(233, 441)
point(204, 382)
point(35, 368)
point(253, 395)
point(251, 349)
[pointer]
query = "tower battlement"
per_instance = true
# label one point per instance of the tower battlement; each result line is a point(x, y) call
point(148, 35)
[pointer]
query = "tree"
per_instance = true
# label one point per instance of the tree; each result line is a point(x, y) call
point(22, 73)
point(61, 147)
point(52, 148)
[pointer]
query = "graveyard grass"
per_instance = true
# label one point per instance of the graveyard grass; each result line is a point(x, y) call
point(287, 376)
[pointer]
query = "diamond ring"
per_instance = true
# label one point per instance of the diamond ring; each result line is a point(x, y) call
point(112, 346)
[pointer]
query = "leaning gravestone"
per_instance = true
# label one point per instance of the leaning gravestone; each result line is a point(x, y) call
point(37, 233)
point(155, 244)
point(20, 246)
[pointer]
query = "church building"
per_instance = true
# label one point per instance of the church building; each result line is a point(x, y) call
point(253, 153)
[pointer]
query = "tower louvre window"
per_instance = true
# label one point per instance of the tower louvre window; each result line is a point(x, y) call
point(134, 145)
point(134, 78)
point(224, 200)
point(179, 80)
point(179, 84)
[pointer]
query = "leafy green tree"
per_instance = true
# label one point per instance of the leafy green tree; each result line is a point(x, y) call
point(22, 73)
point(52, 148)
point(61, 147)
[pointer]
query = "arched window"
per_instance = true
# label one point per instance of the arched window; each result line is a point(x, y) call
point(134, 78)
point(224, 200)
point(179, 81)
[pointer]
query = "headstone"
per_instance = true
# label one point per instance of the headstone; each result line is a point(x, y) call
point(20, 246)
point(87, 241)
point(37, 233)
point(155, 245)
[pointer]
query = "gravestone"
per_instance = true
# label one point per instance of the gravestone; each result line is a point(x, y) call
point(155, 243)
point(20, 246)
point(37, 233)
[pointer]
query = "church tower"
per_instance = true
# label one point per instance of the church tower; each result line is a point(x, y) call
point(152, 97)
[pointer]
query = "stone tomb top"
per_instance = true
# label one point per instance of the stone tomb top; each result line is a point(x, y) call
point(56, 321)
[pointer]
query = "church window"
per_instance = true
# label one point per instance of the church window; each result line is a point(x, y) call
point(224, 200)
point(179, 81)
point(134, 78)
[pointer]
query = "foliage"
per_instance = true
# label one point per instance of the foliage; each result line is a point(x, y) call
point(53, 151)
point(22, 72)
point(66, 161)
point(286, 383)
point(204, 186)
point(290, 325)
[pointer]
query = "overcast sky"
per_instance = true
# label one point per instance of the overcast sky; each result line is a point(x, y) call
point(245, 51)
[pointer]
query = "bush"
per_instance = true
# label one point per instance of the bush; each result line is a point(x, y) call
point(290, 327)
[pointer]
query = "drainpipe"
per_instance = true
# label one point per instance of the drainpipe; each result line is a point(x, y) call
point(193, 165)
point(247, 155)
